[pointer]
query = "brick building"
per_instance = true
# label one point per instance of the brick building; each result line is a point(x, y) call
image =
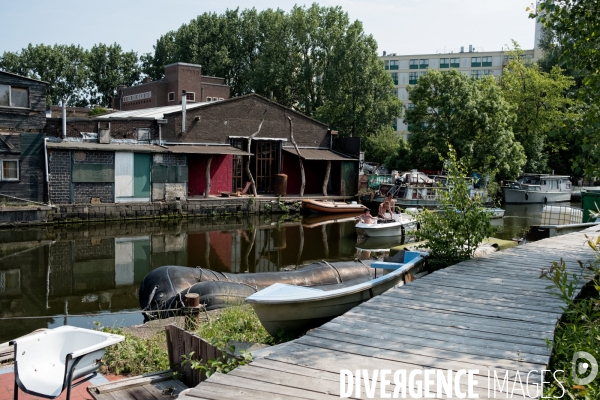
point(22, 118)
point(162, 154)
point(179, 77)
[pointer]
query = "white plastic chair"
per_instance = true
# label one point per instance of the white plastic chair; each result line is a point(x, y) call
point(47, 362)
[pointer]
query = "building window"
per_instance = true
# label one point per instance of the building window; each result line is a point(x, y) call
point(221, 99)
point(475, 61)
point(486, 61)
point(454, 63)
point(395, 77)
point(10, 170)
point(444, 63)
point(209, 99)
point(387, 64)
point(413, 64)
point(412, 77)
point(14, 97)
point(394, 64)
point(190, 96)
point(410, 106)
point(487, 72)
point(423, 64)
point(396, 92)
point(143, 134)
point(172, 96)
point(476, 74)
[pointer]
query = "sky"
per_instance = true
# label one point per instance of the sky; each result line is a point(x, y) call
point(399, 26)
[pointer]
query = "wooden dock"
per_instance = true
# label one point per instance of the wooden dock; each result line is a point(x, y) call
point(491, 314)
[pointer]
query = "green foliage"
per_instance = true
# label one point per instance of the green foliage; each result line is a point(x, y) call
point(98, 111)
point(238, 323)
point(382, 145)
point(224, 364)
point(540, 103)
point(471, 116)
point(89, 77)
point(311, 59)
point(454, 231)
point(579, 329)
point(135, 355)
point(574, 28)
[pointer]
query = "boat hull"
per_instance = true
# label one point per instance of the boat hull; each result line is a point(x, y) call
point(330, 207)
point(402, 224)
point(520, 196)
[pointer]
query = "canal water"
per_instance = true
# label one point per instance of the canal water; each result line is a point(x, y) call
point(79, 275)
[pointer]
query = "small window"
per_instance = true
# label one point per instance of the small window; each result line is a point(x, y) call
point(209, 99)
point(486, 61)
point(190, 96)
point(412, 77)
point(221, 99)
point(143, 134)
point(475, 61)
point(10, 170)
point(394, 64)
point(395, 77)
point(423, 64)
point(444, 63)
point(413, 64)
point(172, 96)
point(14, 97)
point(454, 63)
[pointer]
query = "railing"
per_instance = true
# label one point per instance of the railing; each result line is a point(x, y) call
point(561, 215)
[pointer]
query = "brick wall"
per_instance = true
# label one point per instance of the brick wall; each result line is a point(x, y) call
point(169, 159)
point(118, 129)
point(83, 192)
point(241, 116)
point(59, 168)
point(95, 157)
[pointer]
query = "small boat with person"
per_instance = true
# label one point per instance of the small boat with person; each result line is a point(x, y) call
point(296, 309)
point(398, 225)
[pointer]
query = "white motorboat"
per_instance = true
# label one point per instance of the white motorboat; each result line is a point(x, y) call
point(295, 309)
point(495, 212)
point(398, 226)
point(538, 188)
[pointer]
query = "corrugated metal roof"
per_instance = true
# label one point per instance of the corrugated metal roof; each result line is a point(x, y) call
point(138, 148)
point(208, 150)
point(156, 112)
point(319, 154)
point(146, 148)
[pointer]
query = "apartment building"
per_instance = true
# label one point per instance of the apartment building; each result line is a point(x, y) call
point(474, 62)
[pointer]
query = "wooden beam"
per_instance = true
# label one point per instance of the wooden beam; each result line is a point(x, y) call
point(326, 180)
point(208, 162)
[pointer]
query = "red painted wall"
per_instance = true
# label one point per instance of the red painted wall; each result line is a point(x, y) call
point(220, 174)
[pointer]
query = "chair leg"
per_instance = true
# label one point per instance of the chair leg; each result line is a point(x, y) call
point(16, 394)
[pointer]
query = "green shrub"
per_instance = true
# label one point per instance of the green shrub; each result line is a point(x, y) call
point(98, 111)
point(579, 329)
point(135, 355)
point(454, 231)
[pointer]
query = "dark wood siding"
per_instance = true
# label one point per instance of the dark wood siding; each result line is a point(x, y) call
point(32, 118)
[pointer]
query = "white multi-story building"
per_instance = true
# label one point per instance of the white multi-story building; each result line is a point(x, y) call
point(476, 63)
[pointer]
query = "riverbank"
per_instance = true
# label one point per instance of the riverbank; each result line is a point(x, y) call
point(28, 215)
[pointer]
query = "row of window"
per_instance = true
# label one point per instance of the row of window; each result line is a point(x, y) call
point(14, 96)
point(444, 63)
point(191, 96)
point(135, 97)
point(414, 76)
point(9, 170)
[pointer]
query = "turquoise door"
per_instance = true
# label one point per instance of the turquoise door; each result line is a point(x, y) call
point(141, 175)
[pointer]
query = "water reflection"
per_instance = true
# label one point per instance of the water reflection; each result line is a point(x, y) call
point(61, 273)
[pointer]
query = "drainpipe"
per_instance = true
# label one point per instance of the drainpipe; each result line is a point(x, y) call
point(46, 168)
point(183, 104)
point(64, 118)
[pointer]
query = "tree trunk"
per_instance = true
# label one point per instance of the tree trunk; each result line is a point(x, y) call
point(248, 173)
point(326, 180)
point(208, 162)
point(299, 157)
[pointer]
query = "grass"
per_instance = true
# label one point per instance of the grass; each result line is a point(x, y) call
point(578, 330)
point(134, 355)
point(237, 323)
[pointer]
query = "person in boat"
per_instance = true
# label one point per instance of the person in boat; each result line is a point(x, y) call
point(366, 217)
point(390, 199)
point(384, 208)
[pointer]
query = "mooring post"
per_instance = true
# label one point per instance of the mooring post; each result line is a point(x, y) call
point(192, 318)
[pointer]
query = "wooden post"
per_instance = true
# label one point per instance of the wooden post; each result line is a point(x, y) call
point(299, 157)
point(326, 180)
point(208, 162)
point(192, 302)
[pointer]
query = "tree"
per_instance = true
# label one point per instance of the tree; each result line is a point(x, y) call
point(575, 27)
point(460, 224)
point(310, 59)
point(63, 67)
point(386, 147)
point(469, 115)
point(540, 104)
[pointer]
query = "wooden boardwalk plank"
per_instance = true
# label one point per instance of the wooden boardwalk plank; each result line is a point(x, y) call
point(492, 313)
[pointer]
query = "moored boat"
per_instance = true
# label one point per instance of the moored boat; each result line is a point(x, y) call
point(335, 207)
point(295, 309)
point(538, 189)
point(400, 224)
